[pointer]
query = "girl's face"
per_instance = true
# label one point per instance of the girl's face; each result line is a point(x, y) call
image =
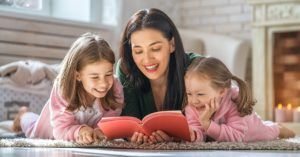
point(200, 91)
point(151, 52)
point(97, 78)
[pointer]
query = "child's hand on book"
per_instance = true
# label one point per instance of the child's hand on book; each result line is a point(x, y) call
point(98, 135)
point(85, 135)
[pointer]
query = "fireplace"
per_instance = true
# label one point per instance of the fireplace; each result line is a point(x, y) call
point(286, 68)
point(276, 56)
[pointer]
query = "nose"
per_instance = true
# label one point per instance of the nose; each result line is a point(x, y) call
point(193, 100)
point(103, 83)
point(147, 57)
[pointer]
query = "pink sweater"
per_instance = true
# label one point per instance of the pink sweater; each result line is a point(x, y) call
point(55, 122)
point(227, 125)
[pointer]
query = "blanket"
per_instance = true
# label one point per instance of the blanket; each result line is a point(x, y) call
point(28, 72)
point(28, 76)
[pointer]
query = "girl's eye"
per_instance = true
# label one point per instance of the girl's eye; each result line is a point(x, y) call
point(94, 78)
point(109, 74)
point(156, 49)
point(189, 94)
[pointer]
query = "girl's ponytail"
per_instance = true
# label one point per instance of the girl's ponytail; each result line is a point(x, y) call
point(245, 100)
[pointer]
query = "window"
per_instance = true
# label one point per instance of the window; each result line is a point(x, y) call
point(90, 11)
point(29, 4)
point(39, 7)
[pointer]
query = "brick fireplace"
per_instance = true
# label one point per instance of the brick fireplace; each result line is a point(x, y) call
point(275, 54)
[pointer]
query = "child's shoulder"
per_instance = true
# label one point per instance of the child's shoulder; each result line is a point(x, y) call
point(117, 83)
point(233, 92)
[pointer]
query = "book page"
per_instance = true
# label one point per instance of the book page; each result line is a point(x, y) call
point(172, 123)
point(105, 119)
point(165, 113)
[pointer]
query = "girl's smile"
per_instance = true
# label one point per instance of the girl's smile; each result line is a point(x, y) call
point(199, 90)
point(97, 78)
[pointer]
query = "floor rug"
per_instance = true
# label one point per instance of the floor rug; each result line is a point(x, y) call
point(284, 144)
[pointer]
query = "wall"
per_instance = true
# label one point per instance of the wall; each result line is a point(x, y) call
point(231, 17)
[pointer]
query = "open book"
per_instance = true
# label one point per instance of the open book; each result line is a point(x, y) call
point(171, 122)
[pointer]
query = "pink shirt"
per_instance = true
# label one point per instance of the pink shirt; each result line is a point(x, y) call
point(57, 123)
point(227, 125)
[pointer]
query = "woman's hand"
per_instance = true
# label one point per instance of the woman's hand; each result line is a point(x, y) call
point(160, 136)
point(85, 135)
point(139, 138)
point(210, 109)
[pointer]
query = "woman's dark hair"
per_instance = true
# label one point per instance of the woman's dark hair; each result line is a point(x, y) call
point(157, 20)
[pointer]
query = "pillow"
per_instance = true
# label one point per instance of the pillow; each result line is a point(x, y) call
point(6, 126)
point(191, 43)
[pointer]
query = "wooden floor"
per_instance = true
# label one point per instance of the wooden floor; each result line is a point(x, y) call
point(79, 152)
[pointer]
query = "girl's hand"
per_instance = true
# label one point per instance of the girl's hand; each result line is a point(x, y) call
point(98, 135)
point(192, 134)
point(139, 138)
point(85, 135)
point(209, 110)
point(160, 136)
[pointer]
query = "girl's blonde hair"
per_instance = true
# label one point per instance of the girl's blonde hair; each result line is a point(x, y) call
point(87, 49)
point(221, 78)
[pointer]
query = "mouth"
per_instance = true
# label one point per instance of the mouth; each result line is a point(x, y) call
point(151, 68)
point(100, 91)
point(202, 107)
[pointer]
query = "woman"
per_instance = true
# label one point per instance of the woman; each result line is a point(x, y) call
point(151, 68)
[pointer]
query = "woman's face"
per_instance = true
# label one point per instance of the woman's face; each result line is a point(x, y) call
point(151, 52)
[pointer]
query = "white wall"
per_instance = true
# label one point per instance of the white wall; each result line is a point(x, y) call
point(230, 17)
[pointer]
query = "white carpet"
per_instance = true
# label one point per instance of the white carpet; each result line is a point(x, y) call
point(289, 144)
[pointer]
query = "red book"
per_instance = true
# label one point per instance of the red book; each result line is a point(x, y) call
point(173, 123)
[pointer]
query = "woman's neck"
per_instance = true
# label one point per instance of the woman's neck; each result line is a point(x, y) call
point(158, 83)
point(159, 89)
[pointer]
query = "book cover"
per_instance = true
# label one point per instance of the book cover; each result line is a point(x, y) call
point(173, 123)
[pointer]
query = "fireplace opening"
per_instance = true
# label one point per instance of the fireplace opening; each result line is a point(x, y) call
point(286, 73)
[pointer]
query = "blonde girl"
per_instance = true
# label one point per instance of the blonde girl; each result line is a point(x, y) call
point(219, 110)
point(85, 90)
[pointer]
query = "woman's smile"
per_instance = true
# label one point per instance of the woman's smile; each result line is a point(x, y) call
point(151, 67)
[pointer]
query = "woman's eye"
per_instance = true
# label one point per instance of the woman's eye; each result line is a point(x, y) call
point(109, 74)
point(94, 78)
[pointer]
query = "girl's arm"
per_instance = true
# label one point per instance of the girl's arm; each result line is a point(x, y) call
point(234, 130)
point(65, 126)
point(191, 115)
